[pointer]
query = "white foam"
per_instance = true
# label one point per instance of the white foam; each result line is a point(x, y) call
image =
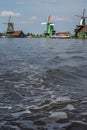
point(5, 107)
point(70, 107)
point(17, 114)
point(16, 86)
point(84, 113)
point(84, 102)
point(63, 99)
point(59, 115)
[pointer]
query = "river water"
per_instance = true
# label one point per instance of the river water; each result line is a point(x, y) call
point(43, 84)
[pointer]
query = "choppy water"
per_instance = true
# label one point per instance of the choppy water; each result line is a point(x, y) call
point(43, 84)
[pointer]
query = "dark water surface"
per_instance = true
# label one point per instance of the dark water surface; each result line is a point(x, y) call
point(43, 84)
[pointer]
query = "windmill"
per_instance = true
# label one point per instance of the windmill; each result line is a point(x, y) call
point(10, 26)
point(82, 21)
point(50, 27)
point(81, 29)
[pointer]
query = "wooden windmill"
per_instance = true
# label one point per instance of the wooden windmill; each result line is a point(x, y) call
point(10, 27)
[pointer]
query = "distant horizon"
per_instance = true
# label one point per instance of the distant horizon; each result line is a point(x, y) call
point(28, 15)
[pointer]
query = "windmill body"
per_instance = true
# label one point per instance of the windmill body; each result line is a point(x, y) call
point(10, 28)
point(82, 21)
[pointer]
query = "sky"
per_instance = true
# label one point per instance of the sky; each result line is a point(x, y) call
point(27, 15)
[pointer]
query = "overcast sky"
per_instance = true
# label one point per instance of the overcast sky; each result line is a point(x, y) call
point(27, 15)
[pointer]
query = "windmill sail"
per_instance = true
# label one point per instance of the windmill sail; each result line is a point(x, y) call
point(49, 18)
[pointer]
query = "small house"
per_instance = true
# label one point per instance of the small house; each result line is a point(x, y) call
point(63, 35)
point(18, 34)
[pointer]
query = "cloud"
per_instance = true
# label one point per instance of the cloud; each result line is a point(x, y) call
point(34, 19)
point(20, 3)
point(23, 22)
point(9, 13)
point(50, 1)
point(56, 18)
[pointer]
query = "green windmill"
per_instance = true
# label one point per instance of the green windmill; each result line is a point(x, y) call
point(50, 28)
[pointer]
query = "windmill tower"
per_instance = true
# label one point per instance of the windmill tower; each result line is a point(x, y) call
point(49, 27)
point(10, 27)
point(81, 29)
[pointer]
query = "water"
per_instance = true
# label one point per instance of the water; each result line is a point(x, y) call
point(43, 84)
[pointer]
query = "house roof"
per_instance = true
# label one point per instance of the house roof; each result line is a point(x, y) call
point(17, 33)
point(62, 33)
point(83, 29)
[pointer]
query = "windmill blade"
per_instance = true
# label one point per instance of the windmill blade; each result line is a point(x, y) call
point(78, 16)
point(5, 23)
point(49, 18)
point(43, 23)
point(85, 17)
point(83, 12)
point(52, 24)
point(9, 19)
